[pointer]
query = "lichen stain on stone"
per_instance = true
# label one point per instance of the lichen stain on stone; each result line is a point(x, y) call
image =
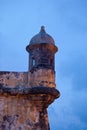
point(13, 79)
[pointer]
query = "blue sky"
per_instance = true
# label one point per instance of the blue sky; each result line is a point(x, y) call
point(66, 22)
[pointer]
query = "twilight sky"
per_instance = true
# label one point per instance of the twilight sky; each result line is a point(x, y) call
point(66, 22)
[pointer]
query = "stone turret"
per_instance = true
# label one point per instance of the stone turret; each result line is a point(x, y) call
point(25, 96)
point(42, 51)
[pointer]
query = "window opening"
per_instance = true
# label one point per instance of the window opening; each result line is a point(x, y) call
point(33, 62)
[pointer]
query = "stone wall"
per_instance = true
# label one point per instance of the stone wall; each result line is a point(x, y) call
point(24, 108)
point(24, 98)
point(13, 79)
point(21, 113)
point(42, 77)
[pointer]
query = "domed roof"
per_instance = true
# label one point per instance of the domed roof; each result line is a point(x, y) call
point(42, 37)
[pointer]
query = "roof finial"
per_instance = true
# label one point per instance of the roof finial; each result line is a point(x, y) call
point(42, 29)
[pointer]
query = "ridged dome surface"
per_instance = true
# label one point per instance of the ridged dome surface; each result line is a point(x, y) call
point(42, 37)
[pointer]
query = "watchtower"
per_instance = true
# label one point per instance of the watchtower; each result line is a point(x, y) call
point(25, 96)
point(42, 51)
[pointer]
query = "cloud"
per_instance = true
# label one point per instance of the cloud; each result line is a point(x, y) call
point(80, 105)
point(77, 68)
point(69, 111)
point(80, 76)
point(71, 107)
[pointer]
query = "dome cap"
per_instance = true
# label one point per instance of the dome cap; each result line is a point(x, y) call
point(42, 37)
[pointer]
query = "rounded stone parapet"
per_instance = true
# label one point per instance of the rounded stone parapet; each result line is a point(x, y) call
point(41, 97)
point(33, 90)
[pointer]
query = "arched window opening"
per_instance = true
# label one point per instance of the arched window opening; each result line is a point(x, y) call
point(33, 62)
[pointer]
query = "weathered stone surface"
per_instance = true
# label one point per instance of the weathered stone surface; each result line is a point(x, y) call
point(19, 113)
point(42, 77)
point(20, 90)
point(30, 91)
point(13, 79)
